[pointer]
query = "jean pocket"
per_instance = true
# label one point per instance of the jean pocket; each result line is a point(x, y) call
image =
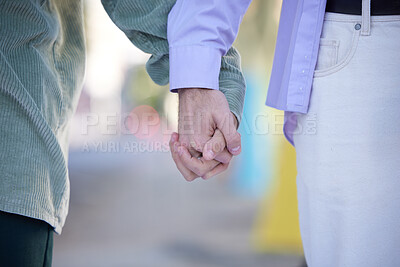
point(335, 53)
point(327, 54)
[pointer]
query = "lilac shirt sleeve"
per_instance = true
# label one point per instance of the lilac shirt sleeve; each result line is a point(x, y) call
point(200, 32)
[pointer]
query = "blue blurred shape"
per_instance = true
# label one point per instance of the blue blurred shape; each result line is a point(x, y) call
point(253, 167)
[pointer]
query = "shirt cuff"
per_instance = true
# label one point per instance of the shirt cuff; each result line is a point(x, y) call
point(194, 67)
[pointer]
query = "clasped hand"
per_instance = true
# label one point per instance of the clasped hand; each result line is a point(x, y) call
point(207, 135)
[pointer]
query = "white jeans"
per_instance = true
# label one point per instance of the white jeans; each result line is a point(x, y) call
point(348, 178)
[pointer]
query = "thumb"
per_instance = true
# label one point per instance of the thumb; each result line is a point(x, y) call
point(214, 146)
point(226, 123)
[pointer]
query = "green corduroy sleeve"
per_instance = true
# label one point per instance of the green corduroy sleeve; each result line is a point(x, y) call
point(144, 22)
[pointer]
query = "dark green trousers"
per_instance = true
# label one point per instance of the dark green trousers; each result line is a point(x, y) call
point(25, 241)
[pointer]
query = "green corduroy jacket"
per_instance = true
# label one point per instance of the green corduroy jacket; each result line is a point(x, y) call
point(42, 58)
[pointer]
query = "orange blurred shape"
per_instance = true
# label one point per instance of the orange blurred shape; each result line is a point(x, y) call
point(143, 122)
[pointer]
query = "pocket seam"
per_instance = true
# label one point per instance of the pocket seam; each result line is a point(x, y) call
point(344, 62)
point(330, 43)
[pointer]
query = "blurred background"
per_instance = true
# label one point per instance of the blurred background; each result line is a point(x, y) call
point(129, 204)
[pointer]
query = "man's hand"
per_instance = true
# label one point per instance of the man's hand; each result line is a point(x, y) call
point(207, 134)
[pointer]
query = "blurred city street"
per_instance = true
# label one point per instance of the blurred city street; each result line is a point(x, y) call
point(136, 210)
point(133, 208)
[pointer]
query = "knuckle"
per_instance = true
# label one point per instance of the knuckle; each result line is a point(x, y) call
point(193, 144)
point(197, 170)
point(184, 141)
point(234, 137)
point(223, 158)
point(190, 178)
point(194, 177)
point(197, 138)
point(237, 137)
point(198, 143)
point(217, 147)
point(227, 159)
point(225, 167)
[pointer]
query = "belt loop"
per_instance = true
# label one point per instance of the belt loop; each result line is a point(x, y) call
point(366, 17)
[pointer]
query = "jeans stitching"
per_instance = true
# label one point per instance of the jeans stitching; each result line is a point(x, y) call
point(333, 43)
point(344, 62)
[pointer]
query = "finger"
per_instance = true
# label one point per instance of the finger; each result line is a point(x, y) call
point(224, 157)
point(187, 173)
point(214, 146)
point(194, 152)
point(174, 138)
point(225, 122)
point(217, 170)
point(198, 141)
point(184, 141)
point(173, 144)
point(197, 165)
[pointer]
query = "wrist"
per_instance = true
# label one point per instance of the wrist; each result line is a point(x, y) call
point(192, 94)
